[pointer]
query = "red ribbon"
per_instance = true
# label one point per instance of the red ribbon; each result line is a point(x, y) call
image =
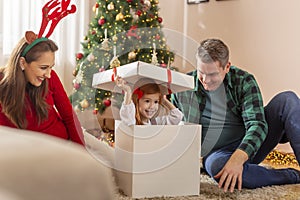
point(169, 74)
point(114, 74)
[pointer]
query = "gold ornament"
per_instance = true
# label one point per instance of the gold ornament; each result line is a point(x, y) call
point(115, 62)
point(75, 71)
point(119, 17)
point(84, 103)
point(115, 38)
point(131, 55)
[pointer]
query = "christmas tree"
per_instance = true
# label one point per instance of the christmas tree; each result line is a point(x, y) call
point(122, 31)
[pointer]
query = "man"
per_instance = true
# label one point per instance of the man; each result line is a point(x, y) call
point(237, 131)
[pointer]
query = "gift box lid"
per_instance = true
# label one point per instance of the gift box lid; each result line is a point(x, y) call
point(133, 72)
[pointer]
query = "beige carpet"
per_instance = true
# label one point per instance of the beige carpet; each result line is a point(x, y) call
point(209, 190)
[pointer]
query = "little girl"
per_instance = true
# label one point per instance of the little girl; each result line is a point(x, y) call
point(143, 105)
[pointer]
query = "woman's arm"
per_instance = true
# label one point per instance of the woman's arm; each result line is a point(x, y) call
point(65, 109)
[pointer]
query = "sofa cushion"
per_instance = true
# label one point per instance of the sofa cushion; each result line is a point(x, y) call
point(36, 166)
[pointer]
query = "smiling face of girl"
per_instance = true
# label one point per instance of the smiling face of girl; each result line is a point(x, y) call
point(148, 106)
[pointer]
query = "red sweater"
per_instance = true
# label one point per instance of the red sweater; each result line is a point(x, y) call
point(62, 121)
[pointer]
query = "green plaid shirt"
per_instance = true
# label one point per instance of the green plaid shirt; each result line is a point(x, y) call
point(243, 99)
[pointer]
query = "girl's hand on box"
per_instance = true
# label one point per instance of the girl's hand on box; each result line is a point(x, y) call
point(166, 103)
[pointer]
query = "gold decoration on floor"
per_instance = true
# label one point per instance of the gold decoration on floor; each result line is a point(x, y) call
point(280, 159)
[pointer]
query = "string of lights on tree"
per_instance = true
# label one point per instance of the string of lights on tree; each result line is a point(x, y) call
point(122, 31)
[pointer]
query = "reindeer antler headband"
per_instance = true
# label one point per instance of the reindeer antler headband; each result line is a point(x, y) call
point(57, 13)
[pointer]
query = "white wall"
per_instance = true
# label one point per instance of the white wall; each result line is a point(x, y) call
point(263, 36)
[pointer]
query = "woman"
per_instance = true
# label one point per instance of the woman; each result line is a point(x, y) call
point(32, 96)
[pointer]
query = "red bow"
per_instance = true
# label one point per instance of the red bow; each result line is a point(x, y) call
point(139, 93)
point(132, 32)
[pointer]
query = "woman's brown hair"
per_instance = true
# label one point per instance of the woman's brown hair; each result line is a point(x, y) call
point(14, 87)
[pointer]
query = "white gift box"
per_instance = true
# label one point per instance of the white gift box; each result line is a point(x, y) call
point(132, 72)
point(157, 160)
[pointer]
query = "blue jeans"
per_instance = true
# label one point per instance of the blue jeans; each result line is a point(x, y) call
point(283, 118)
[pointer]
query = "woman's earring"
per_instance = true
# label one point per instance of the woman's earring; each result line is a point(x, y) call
point(22, 67)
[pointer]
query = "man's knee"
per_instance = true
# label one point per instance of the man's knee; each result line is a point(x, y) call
point(287, 96)
point(213, 165)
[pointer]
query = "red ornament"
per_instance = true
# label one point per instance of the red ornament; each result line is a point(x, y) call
point(97, 5)
point(107, 102)
point(93, 32)
point(101, 69)
point(164, 65)
point(157, 37)
point(95, 112)
point(151, 16)
point(101, 21)
point(138, 13)
point(129, 1)
point(76, 86)
point(159, 19)
point(79, 56)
